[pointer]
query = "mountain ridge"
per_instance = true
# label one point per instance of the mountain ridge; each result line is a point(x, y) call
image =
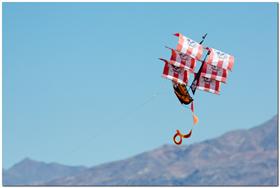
point(230, 159)
point(31, 172)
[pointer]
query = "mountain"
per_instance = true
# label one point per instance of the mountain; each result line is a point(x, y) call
point(31, 172)
point(240, 157)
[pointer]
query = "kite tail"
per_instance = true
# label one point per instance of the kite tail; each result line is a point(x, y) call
point(195, 118)
point(180, 135)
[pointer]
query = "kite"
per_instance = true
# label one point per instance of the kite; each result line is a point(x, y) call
point(212, 72)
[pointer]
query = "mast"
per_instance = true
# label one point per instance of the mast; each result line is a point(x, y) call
point(194, 83)
point(203, 37)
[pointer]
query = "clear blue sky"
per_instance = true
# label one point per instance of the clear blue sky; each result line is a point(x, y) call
point(79, 78)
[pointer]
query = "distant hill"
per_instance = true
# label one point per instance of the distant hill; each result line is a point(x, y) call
point(241, 157)
point(30, 172)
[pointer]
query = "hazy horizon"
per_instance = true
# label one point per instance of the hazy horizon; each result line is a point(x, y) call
point(88, 166)
point(245, 157)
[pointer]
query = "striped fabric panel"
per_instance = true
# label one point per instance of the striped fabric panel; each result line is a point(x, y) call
point(176, 74)
point(220, 59)
point(214, 72)
point(209, 85)
point(189, 46)
point(182, 60)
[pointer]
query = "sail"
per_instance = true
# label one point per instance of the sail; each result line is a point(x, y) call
point(176, 74)
point(189, 46)
point(208, 84)
point(182, 60)
point(220, 59)
point(214, 72)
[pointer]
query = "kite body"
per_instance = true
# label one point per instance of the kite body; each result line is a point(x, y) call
point(182, 65)
point(182, 94)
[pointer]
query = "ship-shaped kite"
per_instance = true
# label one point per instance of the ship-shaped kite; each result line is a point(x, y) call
point(213, 71)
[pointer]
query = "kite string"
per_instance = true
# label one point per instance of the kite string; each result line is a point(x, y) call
point(125, 116)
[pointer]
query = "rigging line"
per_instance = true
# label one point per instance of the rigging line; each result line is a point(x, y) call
point(119, 120)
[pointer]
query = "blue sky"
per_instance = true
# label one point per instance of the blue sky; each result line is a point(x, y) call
point(82, 83)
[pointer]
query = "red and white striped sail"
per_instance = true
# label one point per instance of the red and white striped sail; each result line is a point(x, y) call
point(214, 72)
point(189, 46)
point(182, 60)
point(208, 84)
point(176, 74)
point(220, 59)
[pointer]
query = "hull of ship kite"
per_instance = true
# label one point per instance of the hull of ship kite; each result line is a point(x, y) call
point(183, 99)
